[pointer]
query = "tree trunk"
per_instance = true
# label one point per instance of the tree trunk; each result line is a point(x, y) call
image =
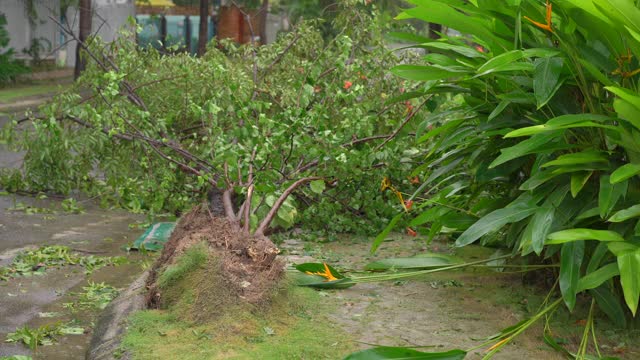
point(434, 29)
point(84, 33)
point(203, 34)
point(264, 11)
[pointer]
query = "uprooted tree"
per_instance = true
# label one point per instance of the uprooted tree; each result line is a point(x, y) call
point(301, 125)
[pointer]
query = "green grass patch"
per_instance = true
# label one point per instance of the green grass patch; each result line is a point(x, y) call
point(7, 95)
point(194, 258)
point(294, 326)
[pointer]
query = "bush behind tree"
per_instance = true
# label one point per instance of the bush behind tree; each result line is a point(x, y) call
point(9, 67)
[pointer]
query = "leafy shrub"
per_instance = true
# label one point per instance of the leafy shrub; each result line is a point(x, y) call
point(542, 155)
point(9, 68)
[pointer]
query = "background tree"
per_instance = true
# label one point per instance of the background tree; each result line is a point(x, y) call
point(83, 34)
point(203, 34)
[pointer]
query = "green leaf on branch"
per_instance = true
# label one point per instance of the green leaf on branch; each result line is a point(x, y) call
point(525, 147)
point(494, 221)
point(571, 257)
point(546, 79)
point(537, 230)
point(629, 266)
point(609, 304)
point(625, 214)
point(610, 194)
point(562, 122)
point(317, 186)
point(624, 172)
point(423, 261)
point(383, 235)
point(584, 157)
point(598, 277)
point(423, 73)
point(578, 180)
point(564, 236)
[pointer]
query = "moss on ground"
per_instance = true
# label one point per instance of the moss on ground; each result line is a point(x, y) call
point(192, 259)
point(201, 318)
point(295, 326)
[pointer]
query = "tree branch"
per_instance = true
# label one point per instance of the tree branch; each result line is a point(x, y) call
point(228, 206)
point(264, 225)
point(405, 122)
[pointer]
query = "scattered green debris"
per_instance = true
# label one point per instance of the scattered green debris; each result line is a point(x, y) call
point(36, 262)
point(30, 210)
point(49, 314)
point(16, 357)
point(44, 335)
point(94, 296)
point(71, 206)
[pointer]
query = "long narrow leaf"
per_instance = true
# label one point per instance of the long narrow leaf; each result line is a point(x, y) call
point(564, 236)
point(571, 257)
point(494, 221)
point(398, 353)
point(383, 235)
point(629, 266)
point(598, 277)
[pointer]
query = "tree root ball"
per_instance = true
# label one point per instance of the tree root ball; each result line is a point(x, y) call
point(239, 267)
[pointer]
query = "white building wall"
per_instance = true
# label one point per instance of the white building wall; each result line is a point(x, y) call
point(22, 32)
point(109, 16)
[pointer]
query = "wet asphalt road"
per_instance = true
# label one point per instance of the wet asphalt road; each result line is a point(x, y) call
point(96, 231)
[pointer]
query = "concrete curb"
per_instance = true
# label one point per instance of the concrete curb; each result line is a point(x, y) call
point(108, 333)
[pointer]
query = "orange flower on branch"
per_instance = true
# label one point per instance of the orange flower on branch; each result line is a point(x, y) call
point(325, 274)
point(622, 60)
point(386, 184)
point(408, 204)
point(547, 26)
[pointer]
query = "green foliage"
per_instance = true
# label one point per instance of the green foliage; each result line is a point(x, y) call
point(306, 106)
point(9, 68)
point(195, 257)
point(93, 296)
point(544, 147)
point(43, 335)
point(36, 262)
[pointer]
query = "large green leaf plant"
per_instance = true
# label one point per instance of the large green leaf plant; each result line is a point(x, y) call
point(541, 154)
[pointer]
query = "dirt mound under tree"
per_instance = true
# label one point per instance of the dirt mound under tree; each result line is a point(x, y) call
point(239, 267)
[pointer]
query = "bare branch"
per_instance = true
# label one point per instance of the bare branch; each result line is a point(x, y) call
point(264, 225)
point(227, 202)
point(283, 53)
point(247, 202)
